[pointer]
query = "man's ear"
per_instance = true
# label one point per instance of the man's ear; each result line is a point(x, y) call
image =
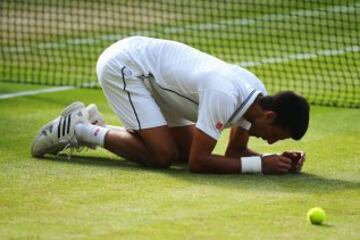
point(270, 115)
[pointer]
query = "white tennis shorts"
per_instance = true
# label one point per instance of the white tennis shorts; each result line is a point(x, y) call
point(129, 96)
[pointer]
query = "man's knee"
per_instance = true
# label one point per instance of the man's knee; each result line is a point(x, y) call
point(164, 158)
point(161, 146)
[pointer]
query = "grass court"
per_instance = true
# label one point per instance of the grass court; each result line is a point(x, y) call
point(97, 195)
point(308, 46)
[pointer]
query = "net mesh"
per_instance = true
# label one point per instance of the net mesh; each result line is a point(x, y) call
point(309, 46)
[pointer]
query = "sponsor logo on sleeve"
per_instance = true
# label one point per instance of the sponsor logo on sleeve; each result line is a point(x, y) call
point(219, 126)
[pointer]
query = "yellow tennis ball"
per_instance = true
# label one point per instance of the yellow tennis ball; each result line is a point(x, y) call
point(316, 215)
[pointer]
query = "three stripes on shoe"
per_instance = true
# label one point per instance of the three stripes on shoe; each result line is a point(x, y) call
point(63, 126)
point(64, 123)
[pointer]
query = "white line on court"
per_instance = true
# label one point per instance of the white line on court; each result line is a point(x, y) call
point(35, 92)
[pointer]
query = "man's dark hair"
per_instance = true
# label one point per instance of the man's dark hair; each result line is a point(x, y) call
point(292, 112)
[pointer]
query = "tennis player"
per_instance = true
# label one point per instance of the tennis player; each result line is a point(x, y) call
point(174, 102)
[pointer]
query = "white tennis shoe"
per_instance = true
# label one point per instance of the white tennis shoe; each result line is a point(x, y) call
point(95, 117)
point(59, 133)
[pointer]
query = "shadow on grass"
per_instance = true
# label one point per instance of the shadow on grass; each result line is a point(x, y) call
point(304, 182)
point(324, 225)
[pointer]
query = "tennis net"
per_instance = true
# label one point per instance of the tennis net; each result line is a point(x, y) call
point(309, 46)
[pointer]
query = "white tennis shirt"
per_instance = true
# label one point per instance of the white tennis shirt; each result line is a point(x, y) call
point(192, 84)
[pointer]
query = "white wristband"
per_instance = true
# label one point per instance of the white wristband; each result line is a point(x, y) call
point(250, 164)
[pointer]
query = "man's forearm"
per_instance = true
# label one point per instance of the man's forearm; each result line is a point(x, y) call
point(202, 160)
point(215, 164)
point(243, 152)
point(238, 144)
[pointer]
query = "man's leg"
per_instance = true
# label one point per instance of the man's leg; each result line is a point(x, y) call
point(152, 144)
point(131, 144)
point(183, 136)
point(154, 147)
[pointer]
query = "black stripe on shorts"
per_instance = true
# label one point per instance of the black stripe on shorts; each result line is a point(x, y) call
point(129, 97)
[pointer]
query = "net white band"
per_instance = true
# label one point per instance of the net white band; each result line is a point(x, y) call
point(251, 164)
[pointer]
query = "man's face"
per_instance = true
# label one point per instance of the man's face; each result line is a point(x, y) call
point(262, 127)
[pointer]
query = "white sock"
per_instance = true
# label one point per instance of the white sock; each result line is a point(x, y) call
point(91, 134)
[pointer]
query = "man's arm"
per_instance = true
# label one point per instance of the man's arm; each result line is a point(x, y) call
point(203, 161)
point(237, 146)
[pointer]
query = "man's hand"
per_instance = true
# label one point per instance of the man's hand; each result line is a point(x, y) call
point(276, 164)
point(297, 160)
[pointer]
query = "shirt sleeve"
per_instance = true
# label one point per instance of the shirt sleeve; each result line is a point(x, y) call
point(215, 108)
point(244, 124)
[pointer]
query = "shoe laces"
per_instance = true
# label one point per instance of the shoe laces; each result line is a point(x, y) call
point(72, 145)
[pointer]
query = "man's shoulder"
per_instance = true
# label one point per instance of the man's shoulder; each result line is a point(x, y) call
point(250, 79)
point(226, 96)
